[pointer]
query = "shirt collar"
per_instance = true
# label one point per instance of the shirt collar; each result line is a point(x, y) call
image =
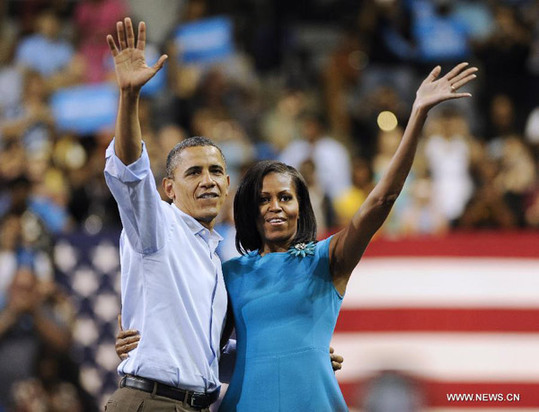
point(196, 227)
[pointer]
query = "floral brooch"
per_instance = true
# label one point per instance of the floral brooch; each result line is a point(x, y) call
point(302, 249)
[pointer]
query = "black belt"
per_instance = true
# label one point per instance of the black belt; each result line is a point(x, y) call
point(195, 399)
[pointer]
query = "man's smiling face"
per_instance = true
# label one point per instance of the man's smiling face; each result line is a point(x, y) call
point(200, 183)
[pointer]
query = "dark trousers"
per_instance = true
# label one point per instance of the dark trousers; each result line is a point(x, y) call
point(133, 400)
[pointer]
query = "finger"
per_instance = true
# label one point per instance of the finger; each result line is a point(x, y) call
point(337, 358)
point(458, 95)
point(120, 322)
point(129, 32)
point(123, 334)
point(133, 339)
point(128, 347)
point(464, 74)
point(141, 38)
point(121, 35)
point(463, 81)
point(433, 74)
point(123, 356)
point(455, 70)
point(128, 338)
point(122, 345)
point(112, 46)
point(157, 66)
point(331, 350)
point(336, 366)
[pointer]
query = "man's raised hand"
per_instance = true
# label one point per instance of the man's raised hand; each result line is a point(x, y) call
point(132, 72)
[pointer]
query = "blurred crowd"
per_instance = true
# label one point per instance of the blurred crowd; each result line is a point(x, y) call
point(323, 85)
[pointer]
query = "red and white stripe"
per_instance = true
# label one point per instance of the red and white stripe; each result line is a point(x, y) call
point(459, 313)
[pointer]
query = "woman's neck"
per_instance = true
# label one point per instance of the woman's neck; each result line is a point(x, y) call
point(272, 247)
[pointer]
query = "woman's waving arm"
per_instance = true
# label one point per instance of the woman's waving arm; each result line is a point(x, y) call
point(348, 245)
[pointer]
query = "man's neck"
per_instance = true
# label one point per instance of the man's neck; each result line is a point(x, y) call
point(206, 224)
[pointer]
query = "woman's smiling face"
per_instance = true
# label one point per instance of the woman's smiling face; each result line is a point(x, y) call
point(278, 217)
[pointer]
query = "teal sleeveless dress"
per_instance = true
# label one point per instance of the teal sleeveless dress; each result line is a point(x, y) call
point(285, 310)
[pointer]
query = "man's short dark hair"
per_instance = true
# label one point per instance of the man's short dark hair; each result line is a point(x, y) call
point(247, 201)
point(195, 141)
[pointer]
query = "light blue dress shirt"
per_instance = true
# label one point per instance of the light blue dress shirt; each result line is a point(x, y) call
point(172, 283)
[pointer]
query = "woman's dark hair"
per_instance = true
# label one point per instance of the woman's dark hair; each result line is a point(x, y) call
point(247, 201)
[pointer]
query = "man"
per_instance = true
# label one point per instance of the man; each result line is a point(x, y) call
point(172, 283)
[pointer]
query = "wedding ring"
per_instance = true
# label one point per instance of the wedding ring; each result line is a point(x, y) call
point(452, 88)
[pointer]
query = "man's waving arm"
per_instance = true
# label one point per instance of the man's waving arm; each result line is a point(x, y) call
point(132, 73)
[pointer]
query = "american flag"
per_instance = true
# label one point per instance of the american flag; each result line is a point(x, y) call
point(451, 316)
point(88, 267)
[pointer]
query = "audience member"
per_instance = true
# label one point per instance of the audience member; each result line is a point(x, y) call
point(449, 151)
point(331, 159)
point(503, 55)
point(31, 120)
point(517, 175)
point(320, 200)
point(94, 19)
point(46, 52)
point(487, 207)
point(362, 184)
point(31, 318)
point(421, 215)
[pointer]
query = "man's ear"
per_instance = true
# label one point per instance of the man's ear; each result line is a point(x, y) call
point(227, 184)
point(168, 186)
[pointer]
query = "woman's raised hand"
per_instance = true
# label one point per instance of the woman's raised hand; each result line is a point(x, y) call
point(434, 90)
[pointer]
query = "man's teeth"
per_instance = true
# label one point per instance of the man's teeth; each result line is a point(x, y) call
point(208, 195)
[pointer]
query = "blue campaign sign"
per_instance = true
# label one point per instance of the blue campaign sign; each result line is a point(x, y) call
point(438, 38)
point(85, 109)
point(205, 40)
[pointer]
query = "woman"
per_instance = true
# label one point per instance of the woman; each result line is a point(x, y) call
point(286, 289)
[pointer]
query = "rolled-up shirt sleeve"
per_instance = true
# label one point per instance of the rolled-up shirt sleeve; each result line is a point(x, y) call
point(133, 187)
